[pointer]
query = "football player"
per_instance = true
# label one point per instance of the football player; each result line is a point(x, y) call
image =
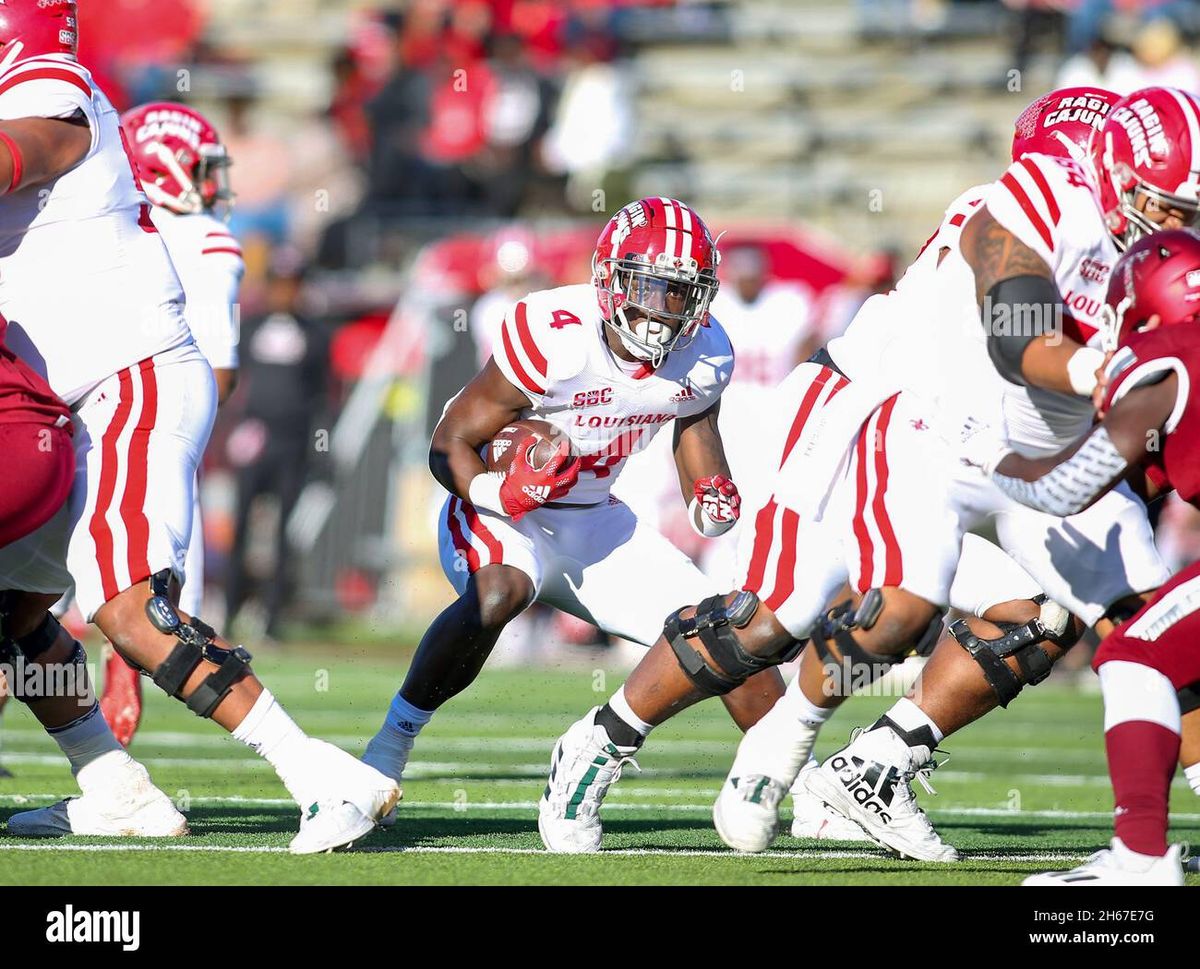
point(1037, 242)
point(35, 430)
point(1149, 437)
point(183, 169)
point(609, 364)
point(95, 305)
point(781, 600)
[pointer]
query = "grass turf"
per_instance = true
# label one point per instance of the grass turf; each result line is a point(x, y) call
point(1025, 790)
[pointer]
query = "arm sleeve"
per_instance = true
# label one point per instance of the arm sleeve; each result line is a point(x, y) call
point(1070, 487)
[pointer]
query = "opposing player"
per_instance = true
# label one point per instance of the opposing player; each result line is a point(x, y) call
point(609, 364)
point(113, 343)
point(183, 169)
point(1149, 437)
point(35, 431)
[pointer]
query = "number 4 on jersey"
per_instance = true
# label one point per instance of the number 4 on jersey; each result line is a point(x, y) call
point(563, 318)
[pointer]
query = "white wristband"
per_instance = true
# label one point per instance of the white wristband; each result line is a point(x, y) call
point(484, 492)
point(707, 528)
point(1081, 370)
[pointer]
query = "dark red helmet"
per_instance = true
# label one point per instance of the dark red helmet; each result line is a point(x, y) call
point(1159, 275)
point(181, 163)
point(31, 28)
point(1061, 123)
point(1148, 150)
point(655, 273)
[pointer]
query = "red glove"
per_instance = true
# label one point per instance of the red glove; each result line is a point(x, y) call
point(526, 489)
point(719, 503)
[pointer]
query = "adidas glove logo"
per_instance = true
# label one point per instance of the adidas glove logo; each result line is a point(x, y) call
point(538, 493)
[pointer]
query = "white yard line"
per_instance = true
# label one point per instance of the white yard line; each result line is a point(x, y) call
point(716, 853)
point(283, 802)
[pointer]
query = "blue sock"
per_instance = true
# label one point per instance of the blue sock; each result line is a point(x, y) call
point(404, 718)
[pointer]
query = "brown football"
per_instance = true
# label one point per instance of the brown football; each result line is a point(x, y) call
point(535, 440)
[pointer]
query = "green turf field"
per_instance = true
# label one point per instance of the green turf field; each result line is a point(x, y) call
point(1023, 790)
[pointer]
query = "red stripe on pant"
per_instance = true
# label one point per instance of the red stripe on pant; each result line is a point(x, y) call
point(133, 504)
point(894, 573)
point(764, 533)
point(98, 526)
point(807, 402)
point(461, 545)
point(479, 529)
point(785, 570)
point(866, 549)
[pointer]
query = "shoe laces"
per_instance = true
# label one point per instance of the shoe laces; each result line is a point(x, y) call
point(922, 772)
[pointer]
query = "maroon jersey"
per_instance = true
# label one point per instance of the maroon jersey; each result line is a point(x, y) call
point(1147, 358)
point(25, 398)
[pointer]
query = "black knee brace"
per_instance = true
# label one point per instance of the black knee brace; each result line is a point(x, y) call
point(30, 680)
point(1020, 640)
point(196, 644)
point(1189, 698)
point(857, 666)
point(714, 624)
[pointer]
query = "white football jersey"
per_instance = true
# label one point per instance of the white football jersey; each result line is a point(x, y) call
point(927, 336)
point(85, 280)
point(209, 262)
point(551, 346)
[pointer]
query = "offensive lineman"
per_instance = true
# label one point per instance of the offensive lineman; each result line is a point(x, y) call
point(698, 658)
point(610, 379)
point(1149, 437)
point(183, 169)
point(93, 301)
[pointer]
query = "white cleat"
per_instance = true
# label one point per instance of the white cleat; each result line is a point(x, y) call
point(118, 800)
point(869, 782)
point(746, 812)
point(585, 763)
point(357, 797)
point(1117, 865)
point(388, 752)
point(768, 761)
point(813, 821)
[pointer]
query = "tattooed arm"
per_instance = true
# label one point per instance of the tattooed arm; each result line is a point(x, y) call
point(1022, 311)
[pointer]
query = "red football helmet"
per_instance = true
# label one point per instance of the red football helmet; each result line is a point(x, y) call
point(655, 273)
point(180, 160)
point(1061, 123)
point(31, 28)
point(1148, 151)
point(1159, 275)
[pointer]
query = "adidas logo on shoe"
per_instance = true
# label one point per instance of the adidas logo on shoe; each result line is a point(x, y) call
point(873, 788)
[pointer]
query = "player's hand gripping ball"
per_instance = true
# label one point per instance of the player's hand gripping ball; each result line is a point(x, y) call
point(536, 461)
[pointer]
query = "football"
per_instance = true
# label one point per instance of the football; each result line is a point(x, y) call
point(535, 441)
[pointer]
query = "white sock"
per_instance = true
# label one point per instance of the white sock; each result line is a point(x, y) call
point(85, 739)
point(620, 706)
point(802, 708)
point(1193, 777)
point(273, 735)
point(782, 741)
point(908, 716)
